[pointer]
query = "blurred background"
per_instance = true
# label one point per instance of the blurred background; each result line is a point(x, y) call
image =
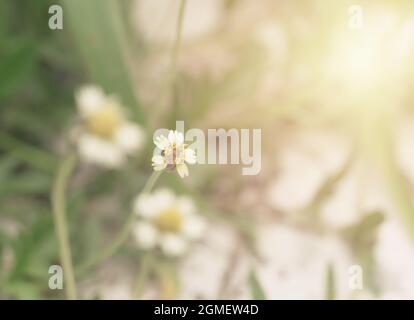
point(335, 105)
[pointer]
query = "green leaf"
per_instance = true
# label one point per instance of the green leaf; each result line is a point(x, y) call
point(378, 137)
point(22, 290)
point(100, 35)
point(27, 153)
point(15, 65)
point(361, 237)
point(256, 289)
point(28, 244)
point(7, 164)
point(328, 187)
point(29, 183)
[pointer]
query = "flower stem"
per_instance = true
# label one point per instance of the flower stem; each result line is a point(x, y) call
point(177, 42)
point(168, 281)
point(123, 234)
point(174, 59)
point(58, 198)
point(143, 274)
point(151, 182)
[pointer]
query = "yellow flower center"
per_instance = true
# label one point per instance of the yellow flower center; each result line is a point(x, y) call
point(105, 121)
point(169, 220)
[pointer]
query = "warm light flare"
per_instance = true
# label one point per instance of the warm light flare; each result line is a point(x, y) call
point(370, 58)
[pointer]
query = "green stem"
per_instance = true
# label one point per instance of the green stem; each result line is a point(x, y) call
point(177, 42)
point(168, 280)
point(330, 285)
point(174, 59)
point(151, 182)
point(377, 129)
point(396, 184)
point(143, 273)
point(123, 234)
point(175, 52)
point(58, 198)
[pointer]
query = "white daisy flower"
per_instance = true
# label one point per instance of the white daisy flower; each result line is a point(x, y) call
point(172, 153)
point(167, 222)
point(104, 137)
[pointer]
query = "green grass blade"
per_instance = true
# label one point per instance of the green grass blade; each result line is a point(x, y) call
point(330, 283)
point(256, 289)
point(99, 32)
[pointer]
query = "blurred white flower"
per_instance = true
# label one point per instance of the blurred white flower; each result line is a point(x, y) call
point(167, 222)
point(171, 153)
point(104, 137)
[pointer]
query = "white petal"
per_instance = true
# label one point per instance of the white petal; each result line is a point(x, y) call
point(186, 205)
point(182, 170)
point(175, 137)
point(193, 227)
point(130, 137)
point(144, 206)
point(163, 199)
point(95, 150)
point(179, 138)
point(190, 156)
point(161, 142)
point(159, 163)
point(150, 205)
point(173, 245)
point(89, 99)
point(171, 137)
point(145, 234)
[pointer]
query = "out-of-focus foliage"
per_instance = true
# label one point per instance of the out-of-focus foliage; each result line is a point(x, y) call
point(32, 109)
point(262, 66)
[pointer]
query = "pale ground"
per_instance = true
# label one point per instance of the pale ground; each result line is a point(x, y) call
point(293, 262)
